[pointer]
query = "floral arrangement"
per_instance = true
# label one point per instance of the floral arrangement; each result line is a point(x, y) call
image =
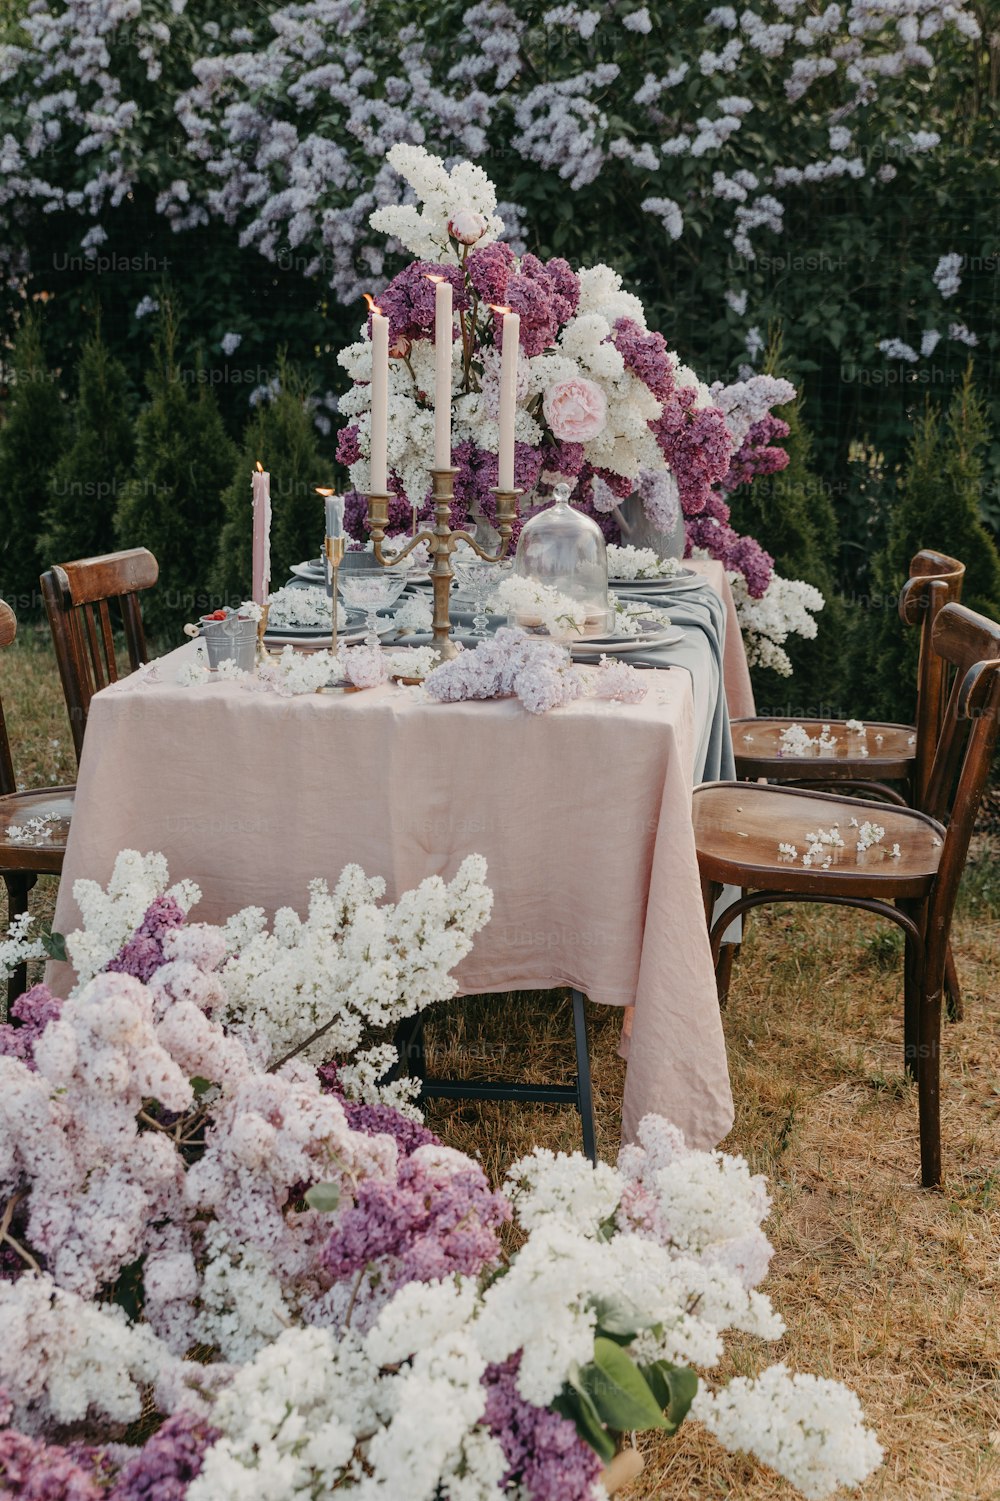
point(603, 404)
point(225, 1278)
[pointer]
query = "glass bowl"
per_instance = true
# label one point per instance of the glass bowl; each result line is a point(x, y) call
point(372, 589)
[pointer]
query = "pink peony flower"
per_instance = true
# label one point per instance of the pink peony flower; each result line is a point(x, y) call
point(467, 227)
point(575, 409)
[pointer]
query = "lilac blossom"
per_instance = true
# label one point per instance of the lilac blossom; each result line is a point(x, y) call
point(546, 1457)
point(433, 1221)
point(33, 1010)
point(164, 1467)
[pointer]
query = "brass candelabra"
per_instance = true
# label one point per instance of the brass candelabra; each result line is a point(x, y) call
point(441, 543)
point(334, 548)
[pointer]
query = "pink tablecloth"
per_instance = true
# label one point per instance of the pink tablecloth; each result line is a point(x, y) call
point(736, 673)
point(583, 815)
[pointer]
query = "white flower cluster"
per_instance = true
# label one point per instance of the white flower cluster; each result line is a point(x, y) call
point(786, 608)
point(40, 829)
point(294, 606)
point(350, 963)
point(809, 1429)
point(111, 914)
point(63, 1358)
point(628, 563)
point(444, 196)
point(538, 606)
point(797, 741)
point(820, 843)
point(18, 946)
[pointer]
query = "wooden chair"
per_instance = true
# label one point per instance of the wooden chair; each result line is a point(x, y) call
point(738, 827)
point(896, 754)
point(77, 601)
point(22, 863)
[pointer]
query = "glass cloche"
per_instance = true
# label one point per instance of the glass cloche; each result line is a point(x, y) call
point(560, 585)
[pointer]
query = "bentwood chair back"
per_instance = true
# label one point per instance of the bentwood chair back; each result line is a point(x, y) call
point(935, 580)
point(891, 760)
point(24, 854)
point(738, 827)
point(78, 597)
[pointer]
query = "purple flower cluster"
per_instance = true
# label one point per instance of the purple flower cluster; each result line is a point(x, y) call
point(32, 1470)
point(377, 1120)
point(33, 1010)
point(348, 446)
point(544, 294)
point(757, 453)
point(646, 355)
point(400, 514)
point(545, 1454)
point(509, 664)
point(167, 1463)
point(425, 1226)
point(408, 302)
point(477, 476)
point(696, 444)
point(142, 956)
point(489, 270)
point(739, 554)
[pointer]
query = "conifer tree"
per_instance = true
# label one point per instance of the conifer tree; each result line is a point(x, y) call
point(90, 476)
point(281, 435)
point(172, 504)
point(31, 437)
point(938, 507)
point(792, 512)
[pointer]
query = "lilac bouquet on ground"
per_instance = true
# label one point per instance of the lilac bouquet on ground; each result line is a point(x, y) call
point(298, 1288)
point(603, 403)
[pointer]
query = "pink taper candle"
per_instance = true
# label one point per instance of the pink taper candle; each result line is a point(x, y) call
point(380, 401)
point(508, 396)
point(443, 331)
point(260, 482)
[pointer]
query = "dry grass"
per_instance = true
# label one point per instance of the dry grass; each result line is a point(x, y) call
point(892, 1289)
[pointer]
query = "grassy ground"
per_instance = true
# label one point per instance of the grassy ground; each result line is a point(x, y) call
point(890, 1288)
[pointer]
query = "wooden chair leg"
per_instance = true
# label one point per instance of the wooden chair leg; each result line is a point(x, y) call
point(18, 886)
point(954, 1008)
point(929, 1088)
point(724, 972)
point(584, 1092)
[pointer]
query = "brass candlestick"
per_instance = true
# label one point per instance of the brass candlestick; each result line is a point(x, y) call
point(441, 543)
point(265, 611)
point(335, 548)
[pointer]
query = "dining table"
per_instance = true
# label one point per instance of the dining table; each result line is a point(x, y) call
point(583, 815)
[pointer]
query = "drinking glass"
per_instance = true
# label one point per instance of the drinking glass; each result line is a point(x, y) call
point(371, 589)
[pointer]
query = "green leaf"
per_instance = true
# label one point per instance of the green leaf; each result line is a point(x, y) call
point(323, 1196)
point(674, 1388)
point(574, 1403)
point(54, 945)
point(619, 1391)
point(200, 1085)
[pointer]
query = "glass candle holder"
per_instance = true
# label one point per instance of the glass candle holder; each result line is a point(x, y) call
point(565, 551)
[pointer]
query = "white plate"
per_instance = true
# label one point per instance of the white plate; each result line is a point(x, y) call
point(620, 645)
point(637, 586)
point(313, 573)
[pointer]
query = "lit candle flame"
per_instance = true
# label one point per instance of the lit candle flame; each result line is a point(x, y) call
point(373, 306)
point(260, 467)
point(494, 309)
point(324, 490)
point(430, 276)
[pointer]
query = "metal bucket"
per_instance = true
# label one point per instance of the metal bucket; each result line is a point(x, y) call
point(231, 640)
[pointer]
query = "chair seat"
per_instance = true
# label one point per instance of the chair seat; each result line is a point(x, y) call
point(758, 751)
point(739, 825)
point(44, 857)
